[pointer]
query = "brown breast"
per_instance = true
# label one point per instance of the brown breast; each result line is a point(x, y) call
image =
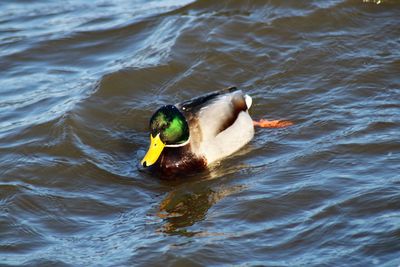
point(178, 160)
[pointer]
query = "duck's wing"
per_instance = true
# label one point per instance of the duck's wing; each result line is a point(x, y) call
point(194, 105)
point(216, 111)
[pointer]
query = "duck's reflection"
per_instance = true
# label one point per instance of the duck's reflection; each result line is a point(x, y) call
point(189, 203)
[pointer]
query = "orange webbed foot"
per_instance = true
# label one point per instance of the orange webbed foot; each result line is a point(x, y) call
point(272, 124)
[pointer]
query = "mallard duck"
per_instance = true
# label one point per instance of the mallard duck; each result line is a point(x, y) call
point(193, 134)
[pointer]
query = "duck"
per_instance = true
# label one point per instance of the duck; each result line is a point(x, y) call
point(192, 135)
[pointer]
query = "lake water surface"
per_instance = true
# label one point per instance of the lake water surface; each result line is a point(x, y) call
point(79, 81)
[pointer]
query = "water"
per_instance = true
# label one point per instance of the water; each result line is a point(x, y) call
point(79, 81)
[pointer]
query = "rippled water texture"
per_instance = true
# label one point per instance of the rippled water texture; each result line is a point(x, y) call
point(80, 79)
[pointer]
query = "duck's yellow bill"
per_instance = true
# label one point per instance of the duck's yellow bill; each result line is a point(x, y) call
point(154, 152)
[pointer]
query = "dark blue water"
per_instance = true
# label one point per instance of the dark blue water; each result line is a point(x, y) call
point(80, 80)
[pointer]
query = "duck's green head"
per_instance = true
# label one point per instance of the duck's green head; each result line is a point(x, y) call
point(168, 127)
